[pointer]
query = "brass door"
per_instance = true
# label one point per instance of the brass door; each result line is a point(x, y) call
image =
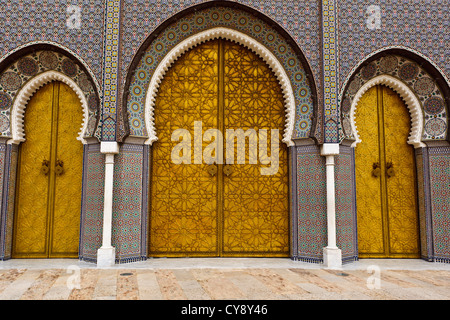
point(195, 212)
point(385, 178)
point(48, 201)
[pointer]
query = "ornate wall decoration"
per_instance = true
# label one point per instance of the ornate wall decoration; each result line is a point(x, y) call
point(346, 237)
point(330, 72)
point(129, 215)
point(299, 18)
point(22, 78)
point(46, 20)
point(439, 169)
point(111, 67)
point(420, 91)
point(219, 17)
point(92, 202)
point(311, 204)
point(417, 25)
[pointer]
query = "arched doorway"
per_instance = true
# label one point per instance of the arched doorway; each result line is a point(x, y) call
point(218, 210)
point(48, 193)
point(387, 209)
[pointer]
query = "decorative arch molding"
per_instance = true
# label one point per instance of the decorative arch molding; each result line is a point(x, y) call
point(423, 91)
point(26, 70)
point(50, 46)
point(413, 104)
point(401, 50)
point(228, 34)
point(24, 95)
point(235, 23)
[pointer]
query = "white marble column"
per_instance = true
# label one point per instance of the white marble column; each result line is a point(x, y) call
point(106, 255)
point(332, 256)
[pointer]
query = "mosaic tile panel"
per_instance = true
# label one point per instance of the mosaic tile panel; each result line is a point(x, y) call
point(7, 208)
point(330, 71)
point(47, 21)
point(17, 74)
point(346, 237)
point(416, 78)
point(299, 18)
point(92, 204)
point(205, 19)
point(129, 219)
point(311, 204)
point(424, 204)
point(111, 70)
point(2, 170)
point(439, 166)
point(420, 25)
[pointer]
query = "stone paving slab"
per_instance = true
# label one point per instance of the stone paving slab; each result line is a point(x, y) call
point(72, 280)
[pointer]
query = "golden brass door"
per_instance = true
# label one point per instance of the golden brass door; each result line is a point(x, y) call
point(385, 178)
point(48, 196)
point(198, 212)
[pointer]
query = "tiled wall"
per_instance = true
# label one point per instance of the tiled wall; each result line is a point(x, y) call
point(24, 22)
point(418, 25)
point(92, 203)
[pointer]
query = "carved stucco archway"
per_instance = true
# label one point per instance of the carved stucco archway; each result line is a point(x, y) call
point(24, 95)
point(228, 34)
point(421, 89)
point(411, 101)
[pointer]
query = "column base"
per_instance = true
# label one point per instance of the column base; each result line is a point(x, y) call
point(332, 257)
point(106, 257)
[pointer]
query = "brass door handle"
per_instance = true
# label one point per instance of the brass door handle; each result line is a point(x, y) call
point(376, 171)
point(212, 169)
point(390, 169)
point(228, 170)
point(59, 169)
point(45, 169)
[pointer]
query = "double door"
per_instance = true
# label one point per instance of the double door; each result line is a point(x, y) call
point(227, 208)
point(387, 215)
point(48, 191)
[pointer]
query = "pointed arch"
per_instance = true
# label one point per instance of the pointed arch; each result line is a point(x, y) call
point(24, 95)
point(27, 68)
point(413, 104)
point(228, 34)
point(419, 83)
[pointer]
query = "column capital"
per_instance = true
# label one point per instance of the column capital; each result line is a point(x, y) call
point(109, 147)
point(329, 149)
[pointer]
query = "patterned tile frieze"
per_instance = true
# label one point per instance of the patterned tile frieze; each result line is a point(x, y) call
point(206, 19)
point(7, 200)
point(439, 166)
point(111, 69)
point(299, 18)
point(366, 26)
point(14, 77)
point(75, 25)
point(423, 85)
point(330, 72)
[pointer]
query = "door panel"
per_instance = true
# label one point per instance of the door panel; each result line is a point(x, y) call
point(31, 217)
point(255, 205)
point(193, 213)
point(184, 197)
point(48, 205)
point(387, 208)
point(401, 188)
point(67, 208)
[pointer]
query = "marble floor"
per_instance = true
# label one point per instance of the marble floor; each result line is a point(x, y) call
point(223, 279)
